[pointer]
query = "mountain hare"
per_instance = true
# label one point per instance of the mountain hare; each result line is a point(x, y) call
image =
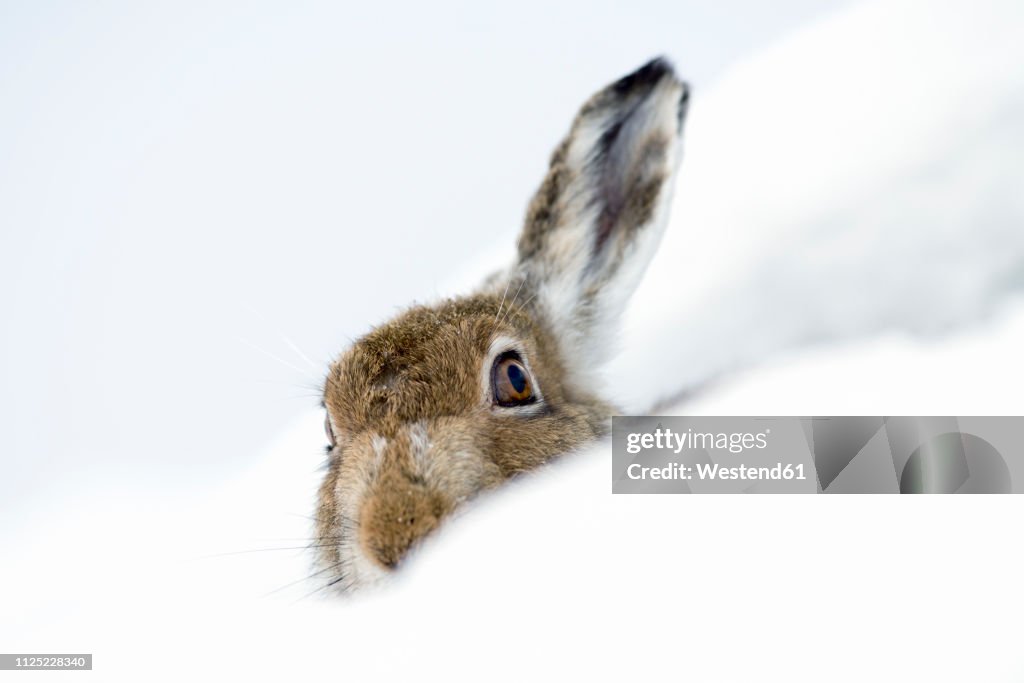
point(444, 401)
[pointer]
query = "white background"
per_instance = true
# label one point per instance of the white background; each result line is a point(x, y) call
point(182, 185)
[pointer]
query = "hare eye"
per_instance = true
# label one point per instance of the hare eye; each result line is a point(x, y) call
point(330, 432)
point(511, 381)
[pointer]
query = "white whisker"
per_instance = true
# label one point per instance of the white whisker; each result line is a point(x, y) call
point(300, 354)
point(502, 301)
point(280, 360)
point(513, 303)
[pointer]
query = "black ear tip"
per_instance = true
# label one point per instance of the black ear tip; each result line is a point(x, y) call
point(647, 75)
point(661, 64)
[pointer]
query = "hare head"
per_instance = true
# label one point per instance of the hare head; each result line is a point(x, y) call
point(445, 401)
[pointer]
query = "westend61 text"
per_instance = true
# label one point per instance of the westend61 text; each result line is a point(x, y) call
point(710, 471)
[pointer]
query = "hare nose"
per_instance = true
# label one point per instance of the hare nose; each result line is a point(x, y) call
point(397, 513)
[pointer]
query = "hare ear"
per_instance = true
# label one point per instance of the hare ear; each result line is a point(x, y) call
point(597, 218)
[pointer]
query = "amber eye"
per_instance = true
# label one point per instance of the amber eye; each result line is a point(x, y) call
point(511, 381)
point(330, 432)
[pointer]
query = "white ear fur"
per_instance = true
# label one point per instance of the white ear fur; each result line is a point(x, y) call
point(597, 219)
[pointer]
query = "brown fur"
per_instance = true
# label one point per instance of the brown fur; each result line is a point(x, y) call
point(542, 216)
point(425, 367)
point(418, 430)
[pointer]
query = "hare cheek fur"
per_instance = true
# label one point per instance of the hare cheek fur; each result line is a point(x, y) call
point(417, 426)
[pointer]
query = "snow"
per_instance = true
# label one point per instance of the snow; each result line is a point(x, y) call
point(871, 189)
